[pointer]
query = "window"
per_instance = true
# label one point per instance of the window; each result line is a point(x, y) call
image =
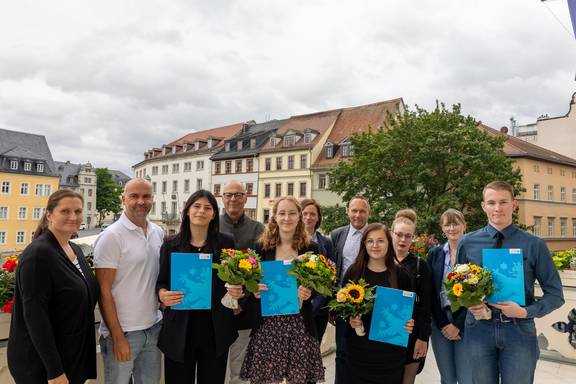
point(218, 166)
point(562, 172)
point(550, 226)
point(186, 185)
point(13, 164)
point(198, 184)
point(329, 151)
point(175, 168)
point(268, 163)
point(227, 147)
point(267, 190)
point(291, 162)
point(174, 208)
point(536, 168)
point(563, 227)
point(266, 216)
point(536, 191)
point(538, 226)
point(27, 166)
point(278, 191)
point(251, 212)
point(249, 189)
point(549, 170)
point(227, 167)
point(175, 186)
point(88, 180)
point(144, 172)
point(288, 140)
point(322, 181)
point(290, 189)
point(47, 189)
point(89, 192)
point(272, 141)
point(22, 213)
point(239, 145)
point(573, 227)
point(2, 237)
point(20, 237)
point(163, 207)
point(154, 170)
point(307, 138)
point(249, 165)
point(39, 189)
point(346, 150)
point(89, 206)
point(252, 143)
point(164, 187)
point(165, 169)
point(200, 165)
point(238, 166)
point(5, 187)
point(3, 213)
point(154, 187)
point(574, 195)
point(153, 210)
point(187, 166)
point(24, 188)
point(39, 167)
point(303, 161)
point(302, 189)
point(550, 192)
point(562, 193)
point(217, 189)
point(278, 163)
point(37, 213)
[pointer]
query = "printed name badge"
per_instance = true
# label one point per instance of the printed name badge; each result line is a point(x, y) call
point(204, 256)
point(515, 251)
point(407, 294)
point(287, 262)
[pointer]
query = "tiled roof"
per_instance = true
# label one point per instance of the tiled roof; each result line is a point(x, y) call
point(68, 173)
point(120, 178)
point(221, 133)
point(515, 147)
point(26, 146)
point(356, 120)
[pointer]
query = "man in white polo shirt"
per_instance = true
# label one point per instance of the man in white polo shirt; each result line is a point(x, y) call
point(126, 261)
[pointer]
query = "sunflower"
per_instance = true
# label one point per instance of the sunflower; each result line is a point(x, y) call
point(245, 264)
point(355, 293)
point(457, 289)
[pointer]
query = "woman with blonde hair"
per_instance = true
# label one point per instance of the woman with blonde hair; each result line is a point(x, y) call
point(285, 346)
point(403, 233)
point(447, 327)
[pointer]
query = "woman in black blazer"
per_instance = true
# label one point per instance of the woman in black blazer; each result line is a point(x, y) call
point(447, 327)
point(52, 335)
point(196, 340)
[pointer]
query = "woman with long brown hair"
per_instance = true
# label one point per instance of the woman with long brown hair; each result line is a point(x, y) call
point(285, 346)
point(52, 331)
point(372, 361)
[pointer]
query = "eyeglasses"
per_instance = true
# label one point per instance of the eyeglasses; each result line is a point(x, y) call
point(407, 236)
point(452, 225)
point(371, 243)
point(230, 195)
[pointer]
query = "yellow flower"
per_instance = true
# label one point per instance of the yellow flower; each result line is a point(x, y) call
point(475, 268)
point(310, 264)
point(457, 289)
point(355, 293)
point(245, 264)
point(473, 279)
point(341, 296)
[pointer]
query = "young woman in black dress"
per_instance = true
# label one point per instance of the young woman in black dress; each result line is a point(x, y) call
point(372, 361)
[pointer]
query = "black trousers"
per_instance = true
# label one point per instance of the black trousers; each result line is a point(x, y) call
point(203, 367)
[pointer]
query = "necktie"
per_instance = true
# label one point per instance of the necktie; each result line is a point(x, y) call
point(498, 239)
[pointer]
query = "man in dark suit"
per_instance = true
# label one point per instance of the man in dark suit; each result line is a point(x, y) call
point(346, 242)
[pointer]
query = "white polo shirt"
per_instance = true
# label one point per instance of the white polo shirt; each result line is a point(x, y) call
point(124, 246)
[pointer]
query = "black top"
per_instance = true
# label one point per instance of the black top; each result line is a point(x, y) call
point(435, 261)
point(420, 285)
point(306, 310)
point(319, 302)
point(52, 328)
point(216, 326)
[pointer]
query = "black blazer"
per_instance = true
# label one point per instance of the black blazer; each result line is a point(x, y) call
point(306, 310)
point(436, 264)
point(338, 237)
point(319, 302)
point(52, 329)
point(172, 340)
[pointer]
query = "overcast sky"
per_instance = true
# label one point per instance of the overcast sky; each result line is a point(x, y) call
point(106, 80)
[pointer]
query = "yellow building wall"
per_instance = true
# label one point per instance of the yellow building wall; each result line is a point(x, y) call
point(14, 200)
point(545, 212)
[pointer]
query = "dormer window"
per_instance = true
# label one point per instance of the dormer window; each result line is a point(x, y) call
point(174, 149)
point(307, 138)
point(40, 168)
point(210, 143)
point(185, 147)
point(346, 150)
point(164, 150)
point(288, 140)
point(252, 143)
point(227, 147)
point(239, 145)
point(13, 164)
point(272, 141)
point(329, 151)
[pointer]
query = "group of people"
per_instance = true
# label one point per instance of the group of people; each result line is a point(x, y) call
point(52, 331)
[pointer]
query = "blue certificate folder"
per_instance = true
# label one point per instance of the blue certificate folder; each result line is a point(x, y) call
point(281, 298)
point(191, 273)
point(392, 309)
point(507, 267)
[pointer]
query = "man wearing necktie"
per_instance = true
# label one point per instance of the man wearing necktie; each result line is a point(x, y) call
point(505, 348)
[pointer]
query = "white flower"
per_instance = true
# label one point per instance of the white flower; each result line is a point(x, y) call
point(462, 268)
point(313, 258)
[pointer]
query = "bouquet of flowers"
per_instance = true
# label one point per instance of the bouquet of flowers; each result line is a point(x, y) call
point(422, 244)
point(314, 272)
point(353, 300)
point(468, 285)
point(239, 267)
point(7, 281)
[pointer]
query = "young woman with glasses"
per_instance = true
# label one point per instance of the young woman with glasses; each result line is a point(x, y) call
point(403, 233)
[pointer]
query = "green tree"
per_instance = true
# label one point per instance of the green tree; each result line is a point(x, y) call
point(107, 194)
point(427, 161)
point(333, 217)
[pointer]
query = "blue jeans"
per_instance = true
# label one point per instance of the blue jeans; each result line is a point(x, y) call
point(145, 358)
point(450, 357)
point(341, 376)
point(501, 348)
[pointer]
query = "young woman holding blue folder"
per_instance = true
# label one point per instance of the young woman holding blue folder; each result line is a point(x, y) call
point(285, 346)
point(373, 361)
point(195, 342)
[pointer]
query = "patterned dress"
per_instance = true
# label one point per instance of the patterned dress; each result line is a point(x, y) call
point(282, 349)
